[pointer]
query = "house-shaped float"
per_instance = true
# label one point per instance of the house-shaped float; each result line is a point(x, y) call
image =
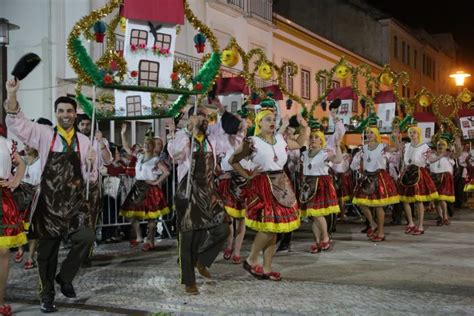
point(148, 49)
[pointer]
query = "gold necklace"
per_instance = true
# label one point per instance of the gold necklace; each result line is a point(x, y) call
point(310, 166)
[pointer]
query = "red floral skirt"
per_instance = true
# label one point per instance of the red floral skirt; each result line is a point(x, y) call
point(144, 202)
point(264, 212)
point(321, 196)
point(343, 184)
point(423, 190)
point(444, 185)
point(11, 224)
point(376, 190)
point(233, 206)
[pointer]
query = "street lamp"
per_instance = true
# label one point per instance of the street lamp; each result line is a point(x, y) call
point(5, 28)
point(459, 77)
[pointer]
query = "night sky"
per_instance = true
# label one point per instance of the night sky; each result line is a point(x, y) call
point(454, 16)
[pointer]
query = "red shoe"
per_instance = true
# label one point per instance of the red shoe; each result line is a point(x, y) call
point(274, 276)
point(147, 247)
point(409, 229)
point(134, 243)
point(255, 270)
point(236, 259)
point(377, 238)
point(6, 310)
point(314, 248)
point(325, 246)
point(29, 264)
point(19, 256)
point(370, 232)
point(227, 253)
point(446, 221)
point(417, 231)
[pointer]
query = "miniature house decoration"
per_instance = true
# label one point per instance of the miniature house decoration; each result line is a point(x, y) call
point(231, 92)
point(347, 96)
point(385, 107)
point(426, 122)
point(148, 48)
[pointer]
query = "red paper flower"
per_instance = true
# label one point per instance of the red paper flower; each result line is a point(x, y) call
point(198, 86)
point(108, 79)
point(174, 76)
point(142, 45)
point(133, 47)
point(133, 73)
point(154, 47)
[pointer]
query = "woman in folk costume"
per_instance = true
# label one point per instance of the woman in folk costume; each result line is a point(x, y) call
point(11, 224)
point(145, 201)
point(441, 168)
point(271, 203)
point(469, 187)
point(343, 179)
point(416, 185)
point(375, 189)
point(318, 196)
point(230, 182)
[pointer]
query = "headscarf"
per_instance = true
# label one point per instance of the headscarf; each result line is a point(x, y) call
point(260, 115)
point(375, 130)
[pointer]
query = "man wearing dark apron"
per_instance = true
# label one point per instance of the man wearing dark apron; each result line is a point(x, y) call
point(201, 218)
point(60, 210)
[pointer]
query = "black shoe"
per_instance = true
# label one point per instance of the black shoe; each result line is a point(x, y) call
point(363, 231)
point(283, 248)
point(66, 288)
point(87, 263)
point(394, 222)
point(48, 307)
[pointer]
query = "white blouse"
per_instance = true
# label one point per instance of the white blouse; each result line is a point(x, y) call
point(317, 165)
point(444, 164)
point(33, 173)
point(267, 156)
point(5, 158)
point(343, 166)
point(416, 155)
point(147, 170)
point(374, 159)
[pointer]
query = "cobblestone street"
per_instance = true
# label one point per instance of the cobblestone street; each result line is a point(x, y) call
point(432, 274)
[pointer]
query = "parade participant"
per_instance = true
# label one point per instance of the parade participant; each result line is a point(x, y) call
point(416, 185)
point(469, 186)
point(394, 165)
point(11, 223)
point(271, 203)
point(24, 196)
point(343, 180)
point(441, 168)
point(230, 183)
point(318, 196)
point(146, 200)
point(375, 189)
point(60, 211)
point(201, 215)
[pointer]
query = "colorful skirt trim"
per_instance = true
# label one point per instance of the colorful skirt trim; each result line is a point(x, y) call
point(144, 202)
point(318, 196)
point(445, 186)
point(234, 207)
point(424, 190)
point(264, 212)
point(376, 189)
point(469, 187)
point(11, 224)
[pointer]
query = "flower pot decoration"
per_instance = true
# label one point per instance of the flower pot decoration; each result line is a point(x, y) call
point(99, 30)
point(200, 42)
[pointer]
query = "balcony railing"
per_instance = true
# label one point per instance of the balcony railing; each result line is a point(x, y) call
point(261, 8)
point(237, 3)
point(255, 8)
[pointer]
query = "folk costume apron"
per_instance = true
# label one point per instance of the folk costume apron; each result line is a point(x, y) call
point(61, 208)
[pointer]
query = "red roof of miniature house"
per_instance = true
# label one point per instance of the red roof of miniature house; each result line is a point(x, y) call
point(162, 11)
point(384, 97)
point(232, 85)
point(466, 112)
point(424, 117)
point(274, 89)
point(344, 93)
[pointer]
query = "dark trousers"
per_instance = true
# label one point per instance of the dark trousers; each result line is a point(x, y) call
point(284, 239)
point(397, 213)
point(203, 246)
point(48, 260)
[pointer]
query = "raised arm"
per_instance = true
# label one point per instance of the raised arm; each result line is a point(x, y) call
point(303, 135)
point(123, 136)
